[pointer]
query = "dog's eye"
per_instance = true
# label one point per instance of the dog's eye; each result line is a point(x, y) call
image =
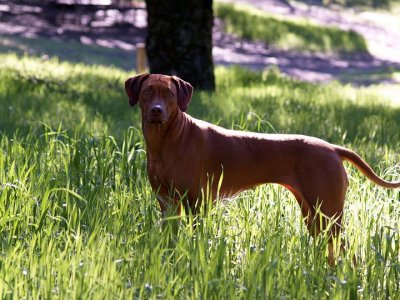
point(147, 93)
point(170, 94)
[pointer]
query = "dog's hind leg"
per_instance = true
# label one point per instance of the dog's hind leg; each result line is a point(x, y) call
point(323, 187)
point(320, 193)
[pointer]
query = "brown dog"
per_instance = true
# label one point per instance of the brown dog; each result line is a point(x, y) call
point(184, 155)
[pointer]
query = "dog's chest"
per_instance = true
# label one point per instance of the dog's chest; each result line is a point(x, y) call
point(168, 174)
point(160, 174)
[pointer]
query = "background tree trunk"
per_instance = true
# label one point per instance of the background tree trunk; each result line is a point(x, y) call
point(179, 40)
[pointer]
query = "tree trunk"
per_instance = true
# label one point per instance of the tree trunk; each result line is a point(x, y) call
point(179, 40)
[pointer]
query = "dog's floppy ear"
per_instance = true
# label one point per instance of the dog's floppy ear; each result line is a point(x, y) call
point(132, 87)
point(185, 92)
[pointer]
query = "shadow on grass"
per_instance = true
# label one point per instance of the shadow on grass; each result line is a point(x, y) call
point(38, 32)
point(384, 74)
point(71, 51)
point(91, 34)
point(383, 4)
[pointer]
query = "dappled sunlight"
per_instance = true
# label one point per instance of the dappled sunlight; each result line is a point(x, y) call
point(390, 92)
point(300, 35)
point(103, 36)
point(386, 43)
point(84, 38)
point(76, 191)
point(381, 39)
point(80, 220)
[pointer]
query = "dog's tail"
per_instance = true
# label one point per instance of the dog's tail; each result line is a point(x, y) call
point(356, 160)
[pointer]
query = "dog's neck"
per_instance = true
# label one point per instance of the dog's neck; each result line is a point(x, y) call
point(158, 135)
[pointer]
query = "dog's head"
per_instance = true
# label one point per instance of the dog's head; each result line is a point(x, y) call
point(159, 96)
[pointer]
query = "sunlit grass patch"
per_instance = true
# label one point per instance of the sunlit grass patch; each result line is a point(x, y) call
point(250, 23)
point(388, 91)
point(78, 218)
point(60, 92)
point(34, 91)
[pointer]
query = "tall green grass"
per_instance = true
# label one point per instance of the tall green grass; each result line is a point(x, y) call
point(249, 23)
point(78, 218)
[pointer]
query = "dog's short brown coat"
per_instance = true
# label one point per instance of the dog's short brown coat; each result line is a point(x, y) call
point(185, 155)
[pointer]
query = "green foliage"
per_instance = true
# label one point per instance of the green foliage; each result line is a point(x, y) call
point(249, 23)
point(34, 90)
point(78, 218)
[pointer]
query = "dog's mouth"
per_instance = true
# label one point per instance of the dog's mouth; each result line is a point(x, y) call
point(158, 120)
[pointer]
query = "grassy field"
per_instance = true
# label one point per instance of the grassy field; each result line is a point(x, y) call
point(250, 23)
point(79, 220)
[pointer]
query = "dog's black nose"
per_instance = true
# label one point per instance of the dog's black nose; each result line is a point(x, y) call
point(156, 109)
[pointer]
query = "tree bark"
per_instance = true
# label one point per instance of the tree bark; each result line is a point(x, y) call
point(179, 40)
